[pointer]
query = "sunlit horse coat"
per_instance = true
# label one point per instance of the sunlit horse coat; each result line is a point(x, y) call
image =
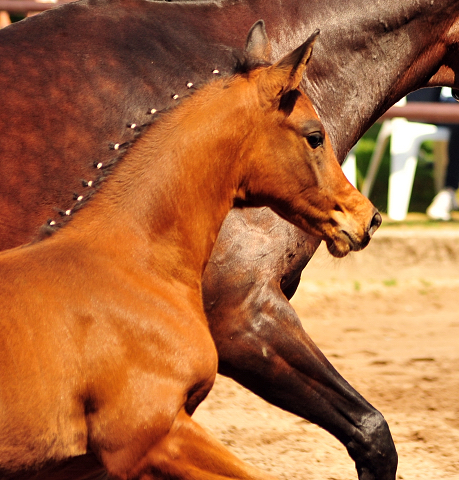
point(135, 56)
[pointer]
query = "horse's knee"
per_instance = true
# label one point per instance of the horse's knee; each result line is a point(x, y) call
point(373, 449)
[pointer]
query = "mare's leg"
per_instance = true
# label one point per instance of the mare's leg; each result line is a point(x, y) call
point(262, 345)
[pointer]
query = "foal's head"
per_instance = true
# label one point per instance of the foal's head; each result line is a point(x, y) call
point(292, 165)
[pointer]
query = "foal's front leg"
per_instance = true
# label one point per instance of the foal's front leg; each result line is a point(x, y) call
point(187, 452)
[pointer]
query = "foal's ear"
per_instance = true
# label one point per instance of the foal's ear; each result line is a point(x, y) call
point(286, 74)
point(257, 45)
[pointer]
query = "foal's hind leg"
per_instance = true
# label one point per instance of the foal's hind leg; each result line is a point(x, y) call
point(188, 452)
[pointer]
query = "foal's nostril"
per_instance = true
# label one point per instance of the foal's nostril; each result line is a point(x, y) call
point(375, 223)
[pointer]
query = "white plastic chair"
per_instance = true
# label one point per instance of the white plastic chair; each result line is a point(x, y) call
point(406, 140)
point(349, 168)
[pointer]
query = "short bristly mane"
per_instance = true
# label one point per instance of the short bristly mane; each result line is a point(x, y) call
point(243, 65)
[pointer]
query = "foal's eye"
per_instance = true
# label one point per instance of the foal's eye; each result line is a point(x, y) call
point(315, 139)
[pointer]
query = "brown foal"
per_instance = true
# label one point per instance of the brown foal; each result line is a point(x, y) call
point(105, 347)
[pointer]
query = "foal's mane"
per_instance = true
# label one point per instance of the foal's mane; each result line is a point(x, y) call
point(243, 65)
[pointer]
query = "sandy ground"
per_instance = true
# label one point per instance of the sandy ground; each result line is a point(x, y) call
point(387, 319)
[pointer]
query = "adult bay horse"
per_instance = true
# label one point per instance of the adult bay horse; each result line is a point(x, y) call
point(105, 346)
point(81, 90)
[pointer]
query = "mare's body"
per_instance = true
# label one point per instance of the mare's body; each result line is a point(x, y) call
point(105, 346)
point(80, 90)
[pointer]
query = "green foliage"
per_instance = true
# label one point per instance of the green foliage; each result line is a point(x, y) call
point(16, 17)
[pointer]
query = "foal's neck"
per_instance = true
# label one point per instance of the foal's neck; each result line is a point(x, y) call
point(168, 197)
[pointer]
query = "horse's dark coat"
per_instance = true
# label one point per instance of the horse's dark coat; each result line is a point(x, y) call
point(72, 78)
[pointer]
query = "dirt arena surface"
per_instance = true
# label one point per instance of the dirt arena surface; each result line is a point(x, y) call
point(387, 318)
